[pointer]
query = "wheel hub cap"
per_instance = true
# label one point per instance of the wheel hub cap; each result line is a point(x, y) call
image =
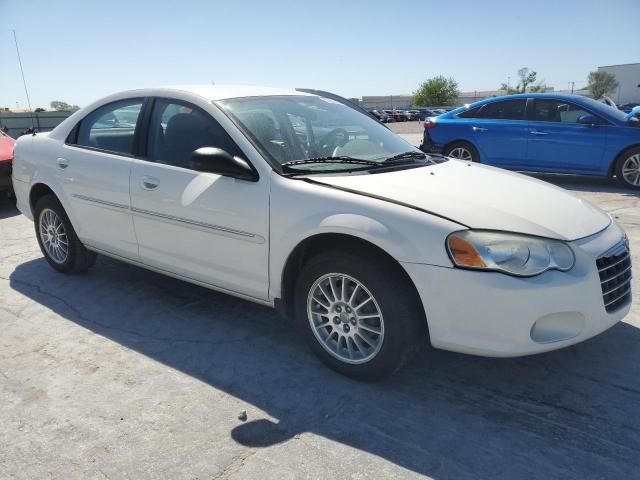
point(345, 318)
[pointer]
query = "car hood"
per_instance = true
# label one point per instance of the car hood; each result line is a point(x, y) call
point(482, 197)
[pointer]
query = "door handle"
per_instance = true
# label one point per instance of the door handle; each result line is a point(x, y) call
point(150, 183)
point(62, 162)
point(479, 129)
point(538, 132)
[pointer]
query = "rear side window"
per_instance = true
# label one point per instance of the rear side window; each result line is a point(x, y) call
point(177, 129)
point(471, 113)
point(504, 110)
point(557, 111)
point(111, 127)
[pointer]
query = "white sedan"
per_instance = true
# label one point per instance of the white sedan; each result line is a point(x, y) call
point(300, 202)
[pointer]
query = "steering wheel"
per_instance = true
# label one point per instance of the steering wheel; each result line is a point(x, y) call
point(337, 137)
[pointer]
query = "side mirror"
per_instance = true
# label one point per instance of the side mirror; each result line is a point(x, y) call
point(218, 161)
point(588, 119)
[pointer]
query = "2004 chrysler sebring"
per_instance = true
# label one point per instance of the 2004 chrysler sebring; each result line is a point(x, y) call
point(301, 202)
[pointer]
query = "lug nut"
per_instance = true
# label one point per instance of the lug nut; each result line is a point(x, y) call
point(346, 328)
point(336, 320)
point(338, 309)
point(352, 320)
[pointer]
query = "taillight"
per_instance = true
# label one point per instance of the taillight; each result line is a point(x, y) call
point(430, 122)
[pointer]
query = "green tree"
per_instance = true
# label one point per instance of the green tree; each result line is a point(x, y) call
point(63, 106)
point(437, 91)
point(526, 83)
point(602, 83)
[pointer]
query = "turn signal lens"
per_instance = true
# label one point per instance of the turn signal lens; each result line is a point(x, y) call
point(463, 253)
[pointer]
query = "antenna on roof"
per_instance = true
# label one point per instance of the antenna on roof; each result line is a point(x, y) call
point(23, 80)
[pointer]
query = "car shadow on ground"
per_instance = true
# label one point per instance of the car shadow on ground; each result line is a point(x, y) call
point(8, 208)
point(570, 413)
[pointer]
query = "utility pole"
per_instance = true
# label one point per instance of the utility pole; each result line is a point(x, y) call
point(573, 84)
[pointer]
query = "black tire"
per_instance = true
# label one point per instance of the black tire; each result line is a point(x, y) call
point(620, 163)
point(405, 327)
point(78, 258)
point(475, 156)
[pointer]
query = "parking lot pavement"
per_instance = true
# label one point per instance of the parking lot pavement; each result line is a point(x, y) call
point(124, 373)
point(410, 131)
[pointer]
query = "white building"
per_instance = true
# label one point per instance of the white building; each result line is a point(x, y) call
point(628, 77)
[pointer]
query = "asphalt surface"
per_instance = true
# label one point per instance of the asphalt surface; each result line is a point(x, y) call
point(124, 373)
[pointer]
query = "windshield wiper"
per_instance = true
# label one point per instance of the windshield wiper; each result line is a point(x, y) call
point(336, 159)
point(405, 156)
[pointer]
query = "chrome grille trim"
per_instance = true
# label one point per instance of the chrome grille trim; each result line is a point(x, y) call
point(627, 290)
point(613, 265)
point(614, 270)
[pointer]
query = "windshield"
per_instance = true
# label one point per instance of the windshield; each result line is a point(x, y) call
point(600, 107)
point(295, 130)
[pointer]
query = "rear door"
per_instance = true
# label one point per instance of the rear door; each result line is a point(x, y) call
point(557, 143)
point(500, 133)
point(94, 166)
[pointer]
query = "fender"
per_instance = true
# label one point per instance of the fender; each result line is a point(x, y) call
point(396, 244)
point(40, 179)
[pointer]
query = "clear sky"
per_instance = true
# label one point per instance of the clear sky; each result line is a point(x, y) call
point(80, 50)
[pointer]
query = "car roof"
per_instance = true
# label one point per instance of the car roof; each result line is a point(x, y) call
point(223, 92)
point(594, 105)
point(515, 96)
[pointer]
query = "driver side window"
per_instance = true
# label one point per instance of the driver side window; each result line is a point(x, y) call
point(178, 128)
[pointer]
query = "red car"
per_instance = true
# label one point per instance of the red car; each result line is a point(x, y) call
point(6, 159)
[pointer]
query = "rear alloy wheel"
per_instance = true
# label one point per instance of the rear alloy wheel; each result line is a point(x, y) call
point(361, 316)
point(53, 236)
point(628, 169)
point(58, 241)
point(462, 151)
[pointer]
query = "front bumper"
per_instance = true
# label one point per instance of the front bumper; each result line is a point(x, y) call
point(496, 315)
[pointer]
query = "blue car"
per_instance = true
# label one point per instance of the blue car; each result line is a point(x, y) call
point(541, 132)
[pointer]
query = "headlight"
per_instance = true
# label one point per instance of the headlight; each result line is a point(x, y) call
point(510, 253)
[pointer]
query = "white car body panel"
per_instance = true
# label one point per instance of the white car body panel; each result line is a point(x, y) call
point(236, 236)
point(203, 226)
point(480, 196)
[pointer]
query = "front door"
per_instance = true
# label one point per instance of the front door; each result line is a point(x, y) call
point(203, 226)
point(557, 143)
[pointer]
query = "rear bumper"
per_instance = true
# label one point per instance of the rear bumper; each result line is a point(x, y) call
point(22, 198)
point(428, 145)
point(496, 315)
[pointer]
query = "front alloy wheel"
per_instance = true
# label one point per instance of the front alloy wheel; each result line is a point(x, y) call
point(345, 318)
point(359, 312)
point(630, 170)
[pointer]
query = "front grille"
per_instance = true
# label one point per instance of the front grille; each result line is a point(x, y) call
point(614, 268)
